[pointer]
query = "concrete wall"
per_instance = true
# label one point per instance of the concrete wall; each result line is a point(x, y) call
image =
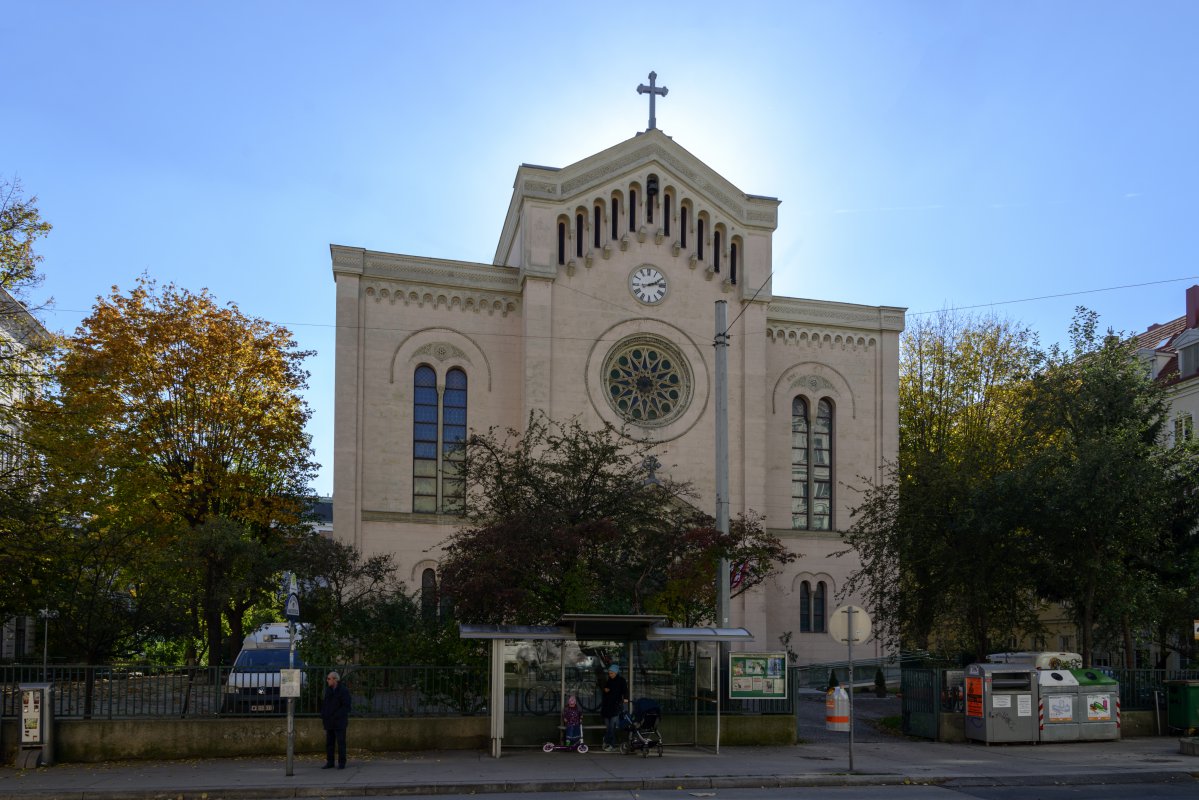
point(91, 741)
point(952, 727)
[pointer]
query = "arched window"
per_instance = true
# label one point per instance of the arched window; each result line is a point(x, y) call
point(579, 235)
point(428, 594)
point(597, 227)
point(818, 606)
point(561, 242)
point(805, 607)
point(683, 227)
point(699, 238)
point(733, 248)
point(615, 212)
point(716, 251)
point(811, 466)
point(666, 214)
point(632, 210)
point(453, 440)
point(438, 435)
point(424, 441)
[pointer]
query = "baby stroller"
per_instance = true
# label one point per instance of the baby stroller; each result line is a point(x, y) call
point(642, 727)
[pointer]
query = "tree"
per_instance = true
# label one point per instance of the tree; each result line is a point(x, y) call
point(175, 415)
point(941, 562)
point(562, 519)
point(1106, 498)
point(21, 226)
point(24, 348)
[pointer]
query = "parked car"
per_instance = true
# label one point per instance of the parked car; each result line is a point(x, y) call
point(253, 684)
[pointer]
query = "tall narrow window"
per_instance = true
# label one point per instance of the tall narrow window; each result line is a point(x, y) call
point(598, 226)
point(632, 210)
point(699, 238)
point(818, 603)
point(822, 467)
point(453, 440)
point(438, 435)
point(716, 251)
point(561, 242)
point(579, 235)
point(615, 211)
point(805, 607)
point(424, 441)
point(666, 214)
point(799, 463)
point(683, 227)
point(733, 262)
point(428, 594)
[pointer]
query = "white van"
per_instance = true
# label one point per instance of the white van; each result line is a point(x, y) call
point(1040, 660)
point(253, 685)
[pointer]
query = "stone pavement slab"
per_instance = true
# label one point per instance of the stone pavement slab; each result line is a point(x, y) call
point(898, 760)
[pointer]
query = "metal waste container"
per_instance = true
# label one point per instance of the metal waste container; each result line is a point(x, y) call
point(1000, 703)
point(1058, 706)
point(1099, 705)
point(1182, 705)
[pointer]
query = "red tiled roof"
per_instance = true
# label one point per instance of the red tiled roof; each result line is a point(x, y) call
point(1161, 336)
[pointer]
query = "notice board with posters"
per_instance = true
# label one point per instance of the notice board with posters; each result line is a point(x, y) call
point(758, 676)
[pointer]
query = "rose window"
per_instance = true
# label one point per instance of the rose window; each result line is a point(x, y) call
point(648, 382)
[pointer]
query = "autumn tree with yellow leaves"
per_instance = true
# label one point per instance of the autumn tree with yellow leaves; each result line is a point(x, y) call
point(176, 431)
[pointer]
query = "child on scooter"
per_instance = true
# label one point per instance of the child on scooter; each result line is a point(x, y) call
point(572, 721)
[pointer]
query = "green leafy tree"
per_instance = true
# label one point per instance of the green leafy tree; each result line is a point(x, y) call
point(183, 417)
point(21, 225)
point(562, 519)
point(1104, 493)
point(24, 348)
point(942, 564)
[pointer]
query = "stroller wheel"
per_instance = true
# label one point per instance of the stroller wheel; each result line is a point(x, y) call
point(624, 748)
point(659, 749)
point(582, 747)
point(548, 747)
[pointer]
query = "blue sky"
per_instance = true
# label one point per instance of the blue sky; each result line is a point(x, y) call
point(927, 154)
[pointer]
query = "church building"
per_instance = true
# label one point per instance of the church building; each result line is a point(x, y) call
point(600, 305)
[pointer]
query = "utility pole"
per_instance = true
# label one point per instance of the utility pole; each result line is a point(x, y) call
point(722, 457)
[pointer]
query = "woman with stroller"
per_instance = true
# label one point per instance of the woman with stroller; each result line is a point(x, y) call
point(616, 694)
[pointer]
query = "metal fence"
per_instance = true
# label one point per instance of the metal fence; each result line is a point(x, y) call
point(104, 692)
point(115, 693)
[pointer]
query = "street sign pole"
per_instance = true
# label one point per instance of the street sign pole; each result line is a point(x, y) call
point(292, 610)
point(844, 628)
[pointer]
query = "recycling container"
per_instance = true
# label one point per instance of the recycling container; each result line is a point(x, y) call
point(1182, 705)
point(1001, 703)
point(1099, 705)
point(1058, 707)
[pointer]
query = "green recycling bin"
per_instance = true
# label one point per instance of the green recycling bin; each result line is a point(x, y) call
point(1182, 705)
point(1098, 705)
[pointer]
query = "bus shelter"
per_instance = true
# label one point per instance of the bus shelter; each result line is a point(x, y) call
point(624, 629)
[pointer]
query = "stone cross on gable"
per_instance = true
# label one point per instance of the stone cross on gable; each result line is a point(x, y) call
point(652, 91)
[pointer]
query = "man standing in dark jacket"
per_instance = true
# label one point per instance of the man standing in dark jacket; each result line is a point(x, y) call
point(335, 713)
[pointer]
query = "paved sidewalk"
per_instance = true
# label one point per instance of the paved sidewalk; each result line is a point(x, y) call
point(525, 771)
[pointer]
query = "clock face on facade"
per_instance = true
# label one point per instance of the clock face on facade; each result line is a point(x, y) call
point(648, 285)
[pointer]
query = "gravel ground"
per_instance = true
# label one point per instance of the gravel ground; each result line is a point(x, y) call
point(867, 711)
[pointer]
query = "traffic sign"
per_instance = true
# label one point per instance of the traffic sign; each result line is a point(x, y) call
point(292, 609)
point(838, 625)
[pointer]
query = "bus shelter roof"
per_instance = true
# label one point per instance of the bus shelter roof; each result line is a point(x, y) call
point(619, 627)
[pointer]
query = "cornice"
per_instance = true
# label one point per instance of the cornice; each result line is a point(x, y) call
point(443, 272)
point(409, 517)
point(464, 299)
point(793, 311)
